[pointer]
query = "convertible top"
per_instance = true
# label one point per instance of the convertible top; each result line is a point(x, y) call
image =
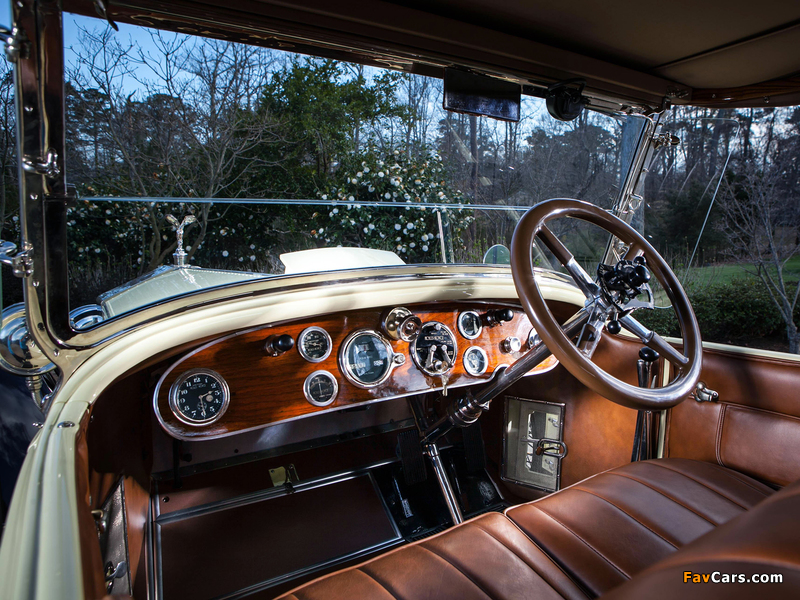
point(714, 53)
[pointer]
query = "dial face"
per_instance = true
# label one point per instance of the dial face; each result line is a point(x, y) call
point(533, 338)
point(434, 349)
point(366, 358)
point(469, 324)
point(199, 397)
point(475, 361)
point(314, 344)
point(320, 388)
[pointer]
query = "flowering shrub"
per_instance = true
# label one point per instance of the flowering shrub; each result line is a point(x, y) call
point(400, 182)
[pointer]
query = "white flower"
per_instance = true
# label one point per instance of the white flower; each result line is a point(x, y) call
point(383, 236)
point(371, 226)
point(108, 212)
point(108, 222)
point(252, 257)
point(407, 197)
point(366, 169)
point(412, 244)
point(371, 188)
point(335, 211)
point(397, 239)
point(380, 173)
point(324, 196)
point(388, 196)
point(97, 250)
point(225, 253)
point(252, 246)
point(397, 226)
point(321, 229)
point(366, 230)
point(241, 259)
point(351, 199)
point(359, 174)
point(139, 261)
point(410, 226)
point(425, 248)
point(424, 237)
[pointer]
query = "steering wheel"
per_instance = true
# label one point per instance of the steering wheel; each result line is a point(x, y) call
point(603, 305)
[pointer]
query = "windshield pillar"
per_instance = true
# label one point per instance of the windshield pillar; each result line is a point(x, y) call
point(39, 90)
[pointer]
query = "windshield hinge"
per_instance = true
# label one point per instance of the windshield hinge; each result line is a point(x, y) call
point(660, 140)
point(21, 262)
point(16, 43)
point(43, 166)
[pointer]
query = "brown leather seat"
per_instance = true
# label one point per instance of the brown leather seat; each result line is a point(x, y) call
point(609, 527)
point(577, 543)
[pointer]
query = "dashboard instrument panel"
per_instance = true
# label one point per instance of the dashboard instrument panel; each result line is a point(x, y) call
point(337, 361)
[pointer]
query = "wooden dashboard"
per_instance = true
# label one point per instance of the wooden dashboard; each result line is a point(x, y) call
point(264, 389)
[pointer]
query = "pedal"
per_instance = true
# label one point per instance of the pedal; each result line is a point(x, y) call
point(414, 469)
point(474, 451)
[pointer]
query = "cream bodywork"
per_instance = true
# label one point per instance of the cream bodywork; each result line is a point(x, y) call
point(40, 555)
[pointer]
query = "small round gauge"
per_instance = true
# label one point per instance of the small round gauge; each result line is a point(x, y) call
point(475, 360)
point(533, 339)
point(199, 397)
point(469, 324)
point(320, 388)
point(314, 344)
point(366, 358)
point(434, 349)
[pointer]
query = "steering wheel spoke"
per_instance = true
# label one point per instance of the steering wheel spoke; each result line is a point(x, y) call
point(582, 279)
point(652, 340)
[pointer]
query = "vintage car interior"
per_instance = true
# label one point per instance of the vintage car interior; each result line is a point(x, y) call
point(412, 431)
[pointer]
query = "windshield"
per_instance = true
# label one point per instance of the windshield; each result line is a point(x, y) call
point(269, 153)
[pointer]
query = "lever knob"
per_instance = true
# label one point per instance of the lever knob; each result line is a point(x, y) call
point(278, 344)
point(647, 354)
point(497, 316)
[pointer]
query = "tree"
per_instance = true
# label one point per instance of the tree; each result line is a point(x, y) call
point(760, 218)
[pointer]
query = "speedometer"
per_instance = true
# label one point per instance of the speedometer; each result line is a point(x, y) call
point(434, 349)
point(199, 397)
point(366, 358)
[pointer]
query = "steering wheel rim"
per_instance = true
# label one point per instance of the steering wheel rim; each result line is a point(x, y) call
point(532, 225)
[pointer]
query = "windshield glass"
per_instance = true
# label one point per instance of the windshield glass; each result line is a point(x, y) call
point(269, 153)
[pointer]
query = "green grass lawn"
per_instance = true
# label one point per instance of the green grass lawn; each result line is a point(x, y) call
point(724, 273)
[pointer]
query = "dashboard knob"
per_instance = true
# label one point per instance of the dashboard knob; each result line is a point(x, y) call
point(511, 344)
point(498, 316)
point(278, 344)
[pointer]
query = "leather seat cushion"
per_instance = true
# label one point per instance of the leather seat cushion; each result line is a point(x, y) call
point(487, 557)
point(607, 528)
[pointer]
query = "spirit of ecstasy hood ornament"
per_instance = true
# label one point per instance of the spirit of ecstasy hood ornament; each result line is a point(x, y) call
point(179, 256)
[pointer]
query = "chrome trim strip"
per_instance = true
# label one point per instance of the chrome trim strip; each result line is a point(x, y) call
point(313, 202)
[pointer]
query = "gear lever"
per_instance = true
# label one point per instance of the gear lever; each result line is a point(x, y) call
point(645, 368)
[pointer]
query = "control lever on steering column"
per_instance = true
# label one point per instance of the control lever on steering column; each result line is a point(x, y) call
point(642, 443)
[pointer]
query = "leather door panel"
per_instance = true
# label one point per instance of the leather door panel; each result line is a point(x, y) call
point(754, 427)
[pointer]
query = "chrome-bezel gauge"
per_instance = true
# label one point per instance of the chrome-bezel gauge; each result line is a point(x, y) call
point(468, 366)
point(427, 363)
point(308, 389)
point(532, 338)
point(463, 328)
point(217, 384)
point(352, 371)
point(304, 336)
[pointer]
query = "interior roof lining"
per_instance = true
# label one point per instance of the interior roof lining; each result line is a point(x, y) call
point(371, 41)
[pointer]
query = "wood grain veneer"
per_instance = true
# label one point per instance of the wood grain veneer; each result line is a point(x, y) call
point(267, 389)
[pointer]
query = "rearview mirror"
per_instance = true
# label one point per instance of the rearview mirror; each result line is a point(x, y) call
point(473, 94)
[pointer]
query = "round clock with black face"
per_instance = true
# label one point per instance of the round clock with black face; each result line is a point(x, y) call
point(199, 397)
